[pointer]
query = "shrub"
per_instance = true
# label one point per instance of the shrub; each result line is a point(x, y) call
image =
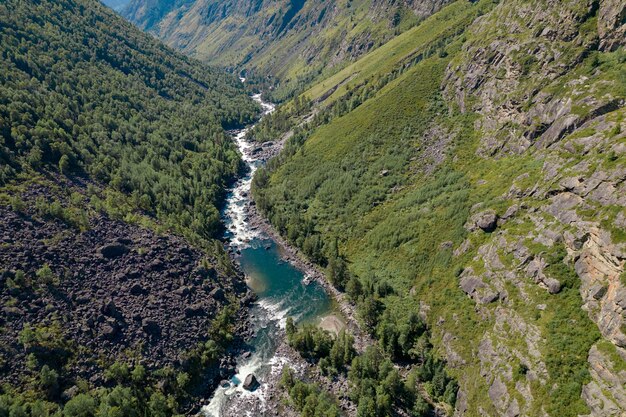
point(46, 277)
point(82, 405)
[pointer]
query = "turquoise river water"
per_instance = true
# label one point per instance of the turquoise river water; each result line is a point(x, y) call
point(281, 288)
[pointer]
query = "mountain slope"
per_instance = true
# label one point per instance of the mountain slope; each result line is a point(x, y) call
point(292, 41)
point(473, 172)
point(107, 105)
point(109, 143)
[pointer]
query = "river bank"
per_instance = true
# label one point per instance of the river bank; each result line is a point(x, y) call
point(287, 286)
point(282, 289)
point(294, 256)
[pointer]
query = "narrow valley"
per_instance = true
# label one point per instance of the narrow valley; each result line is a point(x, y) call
point(282, 291)
point(311, 208)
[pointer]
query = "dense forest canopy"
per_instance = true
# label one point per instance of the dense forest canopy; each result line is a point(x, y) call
point(93, 110)
point(83, 92)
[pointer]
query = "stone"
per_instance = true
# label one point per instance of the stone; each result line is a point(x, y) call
point(250, 383)
point(498, 394)
point(488, 297)
point(469, 284)
point(598, 291)
point(194, 310)
point(446, 245)
point(136, 289)
point(70, 393)
point(156, 265)
point(217, 294)
point(612, 24)
point(553, 285)
point(110, 309)
point(108, 331)
point(113, 250)
point(183, 291)
point(150, 326)
point(510, 212)
point(487, 221)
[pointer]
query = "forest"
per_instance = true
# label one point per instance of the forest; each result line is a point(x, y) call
point(79, 98)
point(92, 107)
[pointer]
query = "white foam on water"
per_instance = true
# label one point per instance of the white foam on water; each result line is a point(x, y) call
point(255, 364)
point(278, 312)
point(239, 199)
point(221, 396)
point(241, 235)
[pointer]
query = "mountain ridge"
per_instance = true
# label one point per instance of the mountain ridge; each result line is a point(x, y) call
point(114, 160)
point(291, 41)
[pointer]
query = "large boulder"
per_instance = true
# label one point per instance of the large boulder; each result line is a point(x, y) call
point(251, 383)
point(195, 310)
point(487, 221)
point(151, 327)
point(113, 250)
point(218, 294)
point(108, 331)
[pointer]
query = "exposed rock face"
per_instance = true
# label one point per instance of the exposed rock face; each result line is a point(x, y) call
point(105, 294)
point(560, 196)
point(516, 73)
point(599, 267)
point(606, 394)
point(421, 8)
point(612, 24)
point(543, 49)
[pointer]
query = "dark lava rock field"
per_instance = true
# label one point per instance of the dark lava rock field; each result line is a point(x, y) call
point(113, 292)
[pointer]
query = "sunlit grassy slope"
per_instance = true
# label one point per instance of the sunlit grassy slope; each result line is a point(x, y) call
point(410, 45)
point(392, 183)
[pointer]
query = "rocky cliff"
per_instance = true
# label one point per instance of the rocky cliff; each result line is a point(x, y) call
point(527, 86)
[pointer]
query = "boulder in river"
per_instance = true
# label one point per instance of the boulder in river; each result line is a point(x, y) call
point(251, 383)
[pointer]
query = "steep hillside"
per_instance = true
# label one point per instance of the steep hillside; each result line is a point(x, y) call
point(472, 171)
point(112, 148)
point(292, 41)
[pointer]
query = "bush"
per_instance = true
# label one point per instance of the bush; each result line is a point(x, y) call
point(49, 381)
point(46, 277)
point(82, 405)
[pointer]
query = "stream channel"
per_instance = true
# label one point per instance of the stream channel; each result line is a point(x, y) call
point(282, 289)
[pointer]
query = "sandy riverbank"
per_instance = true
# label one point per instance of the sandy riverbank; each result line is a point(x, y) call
point(332, 324)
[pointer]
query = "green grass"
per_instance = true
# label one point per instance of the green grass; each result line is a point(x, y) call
point(362, 183)
point(449, 22)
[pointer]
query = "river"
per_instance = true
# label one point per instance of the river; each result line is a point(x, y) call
point(281, 288)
